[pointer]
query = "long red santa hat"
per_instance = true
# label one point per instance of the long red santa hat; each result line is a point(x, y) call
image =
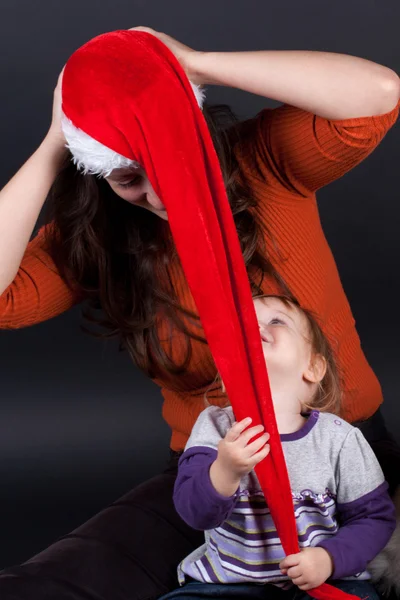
point(127, 101)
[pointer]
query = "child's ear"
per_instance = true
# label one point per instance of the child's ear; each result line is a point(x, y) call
point(316, 369)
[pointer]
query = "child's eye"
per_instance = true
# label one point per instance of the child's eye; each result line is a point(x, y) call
point(134, 181)
point(277, 321)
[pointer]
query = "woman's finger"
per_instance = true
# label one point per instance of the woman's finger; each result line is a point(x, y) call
point(141, 28)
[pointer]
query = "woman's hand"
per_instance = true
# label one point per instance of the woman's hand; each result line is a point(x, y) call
point(186, 56)
point(55, 134)
point(333, 86)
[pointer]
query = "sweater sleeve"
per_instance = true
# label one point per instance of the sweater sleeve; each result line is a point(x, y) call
point(38, 292)
point(366, 513)
point(196, 500)
point(300, 152)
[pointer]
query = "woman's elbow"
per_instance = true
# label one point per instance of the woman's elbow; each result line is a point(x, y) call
point(389, 92)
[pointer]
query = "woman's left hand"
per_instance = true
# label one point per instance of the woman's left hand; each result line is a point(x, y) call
point(186, 56)
point(332, 86)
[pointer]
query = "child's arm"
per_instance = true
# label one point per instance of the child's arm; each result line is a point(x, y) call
point(367, 514)
point(196, 499)
point(208, 479)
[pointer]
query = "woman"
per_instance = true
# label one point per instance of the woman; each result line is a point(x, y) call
point(337, 109)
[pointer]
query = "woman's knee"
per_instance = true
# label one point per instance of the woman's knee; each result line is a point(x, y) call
point(129, 550)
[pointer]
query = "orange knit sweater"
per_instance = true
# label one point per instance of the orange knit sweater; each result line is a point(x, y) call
point(297, 153)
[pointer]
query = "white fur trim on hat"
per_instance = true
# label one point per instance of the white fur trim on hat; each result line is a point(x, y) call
point(93, 158)
point(90, 156)
point(200, 94)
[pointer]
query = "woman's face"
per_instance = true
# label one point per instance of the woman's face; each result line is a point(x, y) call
point(131, 184)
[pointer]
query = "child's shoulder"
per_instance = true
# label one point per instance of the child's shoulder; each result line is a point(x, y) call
point(213, 422)
point(331, 424)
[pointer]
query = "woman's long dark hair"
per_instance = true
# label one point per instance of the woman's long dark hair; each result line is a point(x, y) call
point(117, 256)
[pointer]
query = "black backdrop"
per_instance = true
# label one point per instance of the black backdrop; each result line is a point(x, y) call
point(79, 425)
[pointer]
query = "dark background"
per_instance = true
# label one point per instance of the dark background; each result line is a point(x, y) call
point(79, 425)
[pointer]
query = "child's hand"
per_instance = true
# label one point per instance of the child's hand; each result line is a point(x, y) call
point(236, 454)
point(237, 457)
point(309, 568)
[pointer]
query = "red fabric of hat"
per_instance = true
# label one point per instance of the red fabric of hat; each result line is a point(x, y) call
point(127, 90)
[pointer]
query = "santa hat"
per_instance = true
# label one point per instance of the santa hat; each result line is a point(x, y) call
point(126, 101)
point(93, 158)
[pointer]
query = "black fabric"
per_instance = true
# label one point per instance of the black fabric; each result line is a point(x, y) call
point(250, 591)
point(130, 551)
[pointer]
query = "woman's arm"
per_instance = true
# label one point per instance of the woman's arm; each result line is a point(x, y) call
point(298, 153)
point(22, 199)
point(31, 289)
point(333, 86)
point(336, 110)
point(330, 85)
point(37, 292)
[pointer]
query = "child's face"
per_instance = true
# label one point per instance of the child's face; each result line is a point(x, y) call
point(285, 340)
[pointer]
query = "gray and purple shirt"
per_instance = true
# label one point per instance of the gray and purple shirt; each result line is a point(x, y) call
point(340, 500)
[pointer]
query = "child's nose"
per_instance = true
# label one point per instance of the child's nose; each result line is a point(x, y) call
point(266, 334)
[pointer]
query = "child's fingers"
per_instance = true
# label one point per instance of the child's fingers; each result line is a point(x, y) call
point(257, 444)
point(236, 429)
point(301, 581)
point(246, 436)
point(292, 560)
point(259, 456)
point(294, 572)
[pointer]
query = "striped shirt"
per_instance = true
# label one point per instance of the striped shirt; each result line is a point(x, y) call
point(335, 479)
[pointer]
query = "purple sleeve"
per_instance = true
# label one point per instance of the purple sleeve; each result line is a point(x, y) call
point(366, 526)
point(196, 500)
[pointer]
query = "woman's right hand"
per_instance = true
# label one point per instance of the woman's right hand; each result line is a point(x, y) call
point(237, 454)
point(55, 133)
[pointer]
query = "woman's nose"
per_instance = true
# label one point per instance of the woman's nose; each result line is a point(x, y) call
point(154, 200)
